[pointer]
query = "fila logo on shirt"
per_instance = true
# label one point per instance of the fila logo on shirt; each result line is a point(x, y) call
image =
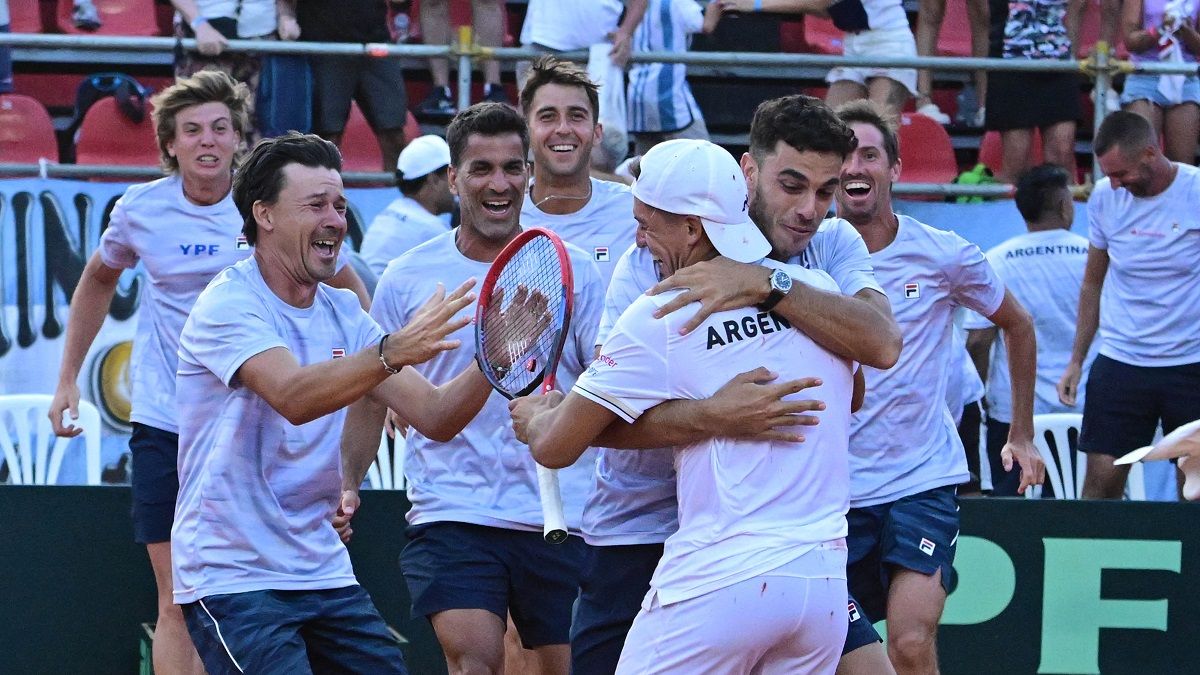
point(912, 291)
point(926, 546)
point(600, 254)
point(854, 615)
point(339, 352)
point(242, 244)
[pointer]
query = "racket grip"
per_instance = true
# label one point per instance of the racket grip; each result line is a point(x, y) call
point(555, 528)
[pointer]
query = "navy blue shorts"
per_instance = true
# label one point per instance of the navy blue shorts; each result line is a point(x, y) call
point(462, 566)
point(155, 479)
point(918, 532)
point(861, 631)
point(294, 632)
point(1125, 403)
point(615, 580)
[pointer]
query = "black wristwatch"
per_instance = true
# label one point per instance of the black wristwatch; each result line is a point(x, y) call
point(781, 283)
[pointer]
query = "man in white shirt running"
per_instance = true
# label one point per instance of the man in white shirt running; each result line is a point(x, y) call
point(417, 216)
point(796, 152)
point(476, 551)
point(1142, 290)
point(905, 455)
point(268, 359)
point(1043, 269)
point(760, 522)
point(561, 106)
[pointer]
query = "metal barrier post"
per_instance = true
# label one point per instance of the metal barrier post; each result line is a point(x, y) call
point(465, 49)
point(1103, 74)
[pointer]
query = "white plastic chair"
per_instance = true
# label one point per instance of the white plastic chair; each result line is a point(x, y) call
point(387, 471)
point(1056, 436)
point(26, 435)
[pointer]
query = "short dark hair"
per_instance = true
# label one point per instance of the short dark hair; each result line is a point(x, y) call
point(1037, 188)
point(803, 122)
point(552, 70)
point(410, 187)
point(485, 119)
point(260, 178)
point(206, 86)
point(864, 111)
point(1129, 130)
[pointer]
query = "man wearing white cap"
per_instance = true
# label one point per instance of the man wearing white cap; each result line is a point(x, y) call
point(761, 523)
point(416, 217)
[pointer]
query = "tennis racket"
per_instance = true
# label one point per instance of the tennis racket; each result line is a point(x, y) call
point(521, 323)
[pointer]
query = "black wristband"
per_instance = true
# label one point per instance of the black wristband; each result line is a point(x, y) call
point(393, 371)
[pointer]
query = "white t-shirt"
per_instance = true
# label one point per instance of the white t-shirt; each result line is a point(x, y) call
point(485, 476)
point(1150, 306)
point(570, 24)
point(904, 440)
point(255, 17)
point(602, 228)
point(1043, 270)
point(633, 499)
point(745, 507)
point(401, 226)
point(963, 385)
point(256, 492)
point(855, 16)
point(181, 246)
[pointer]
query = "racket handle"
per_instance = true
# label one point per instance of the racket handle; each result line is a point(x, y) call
point(555, 528)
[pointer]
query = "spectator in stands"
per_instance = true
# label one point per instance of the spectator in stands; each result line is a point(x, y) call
point(1143, 256)
point(1018, 103)
point(414, 218)
point(563, 25)
point(1164, 30)
point(6, 82)
point(488, 19)
point(214, 22)
point(376, 84)
point(1043, 269)
point(660, 102)
point(872, 28)
point(930, 14)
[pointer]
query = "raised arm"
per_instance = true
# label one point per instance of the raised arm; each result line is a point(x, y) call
point(858, 327)
point(1086, 323)
point(89, 305)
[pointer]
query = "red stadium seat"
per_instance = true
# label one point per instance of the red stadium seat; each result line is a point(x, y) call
point(117, 17)
point(925, 151)
point(991, 154)
point(25, 16)
point(107, 136)
point(360, 149)
point(955, 36)
point(821, 36)
point(26, 132)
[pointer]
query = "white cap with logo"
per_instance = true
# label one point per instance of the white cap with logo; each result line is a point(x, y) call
point(423, 155)
point(698, 178)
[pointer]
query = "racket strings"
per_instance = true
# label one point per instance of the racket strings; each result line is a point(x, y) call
point(524, 316)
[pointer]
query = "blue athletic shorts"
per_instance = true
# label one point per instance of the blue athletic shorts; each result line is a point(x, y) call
point(155, 481)
point(918, 532)
point(1125, 404)
point(461, 566)
point(294, 632)
point(861, 632)
point(615, 580)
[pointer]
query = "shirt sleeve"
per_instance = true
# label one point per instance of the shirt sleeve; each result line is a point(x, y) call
point(849, 262)
point(973, 282)
point(116, 249)
point(630, 376)
point(691, 16)
point(225, 329)
point(623, 289)
point(1096, 235)
point(973, 320)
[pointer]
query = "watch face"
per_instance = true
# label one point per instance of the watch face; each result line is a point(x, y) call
point(781, 281)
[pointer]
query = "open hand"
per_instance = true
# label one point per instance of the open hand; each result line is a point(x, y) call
point(425, 336)
point(752, 406)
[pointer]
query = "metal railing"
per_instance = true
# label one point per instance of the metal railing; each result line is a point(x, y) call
point(1101, 67)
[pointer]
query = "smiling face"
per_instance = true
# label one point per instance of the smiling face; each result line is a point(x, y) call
point(867, 177)
point(665, 235)
point(562, 131)
point(1130, 170)
point(306, 224)
point(790, 193)
point(490, 183)
point(205, 143)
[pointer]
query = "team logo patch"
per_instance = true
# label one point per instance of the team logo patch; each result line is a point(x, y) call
point(339, 352)
point(600, 254)
point(927, 546)
point(242, 244)
point(854, 615)
point(912, 291)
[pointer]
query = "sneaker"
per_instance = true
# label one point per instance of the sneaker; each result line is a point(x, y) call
point(968, 105)
point(980, 116)
point(495, 93)
point(933, 112)
point(85, 16)
point(437, 107)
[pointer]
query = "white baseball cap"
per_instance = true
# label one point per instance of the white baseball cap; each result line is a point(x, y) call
point(698, 178)
point(423, 155)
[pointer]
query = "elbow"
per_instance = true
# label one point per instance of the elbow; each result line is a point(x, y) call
point(549, 457)
point(887, 351)
point(439, 434)
point(297, 416)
